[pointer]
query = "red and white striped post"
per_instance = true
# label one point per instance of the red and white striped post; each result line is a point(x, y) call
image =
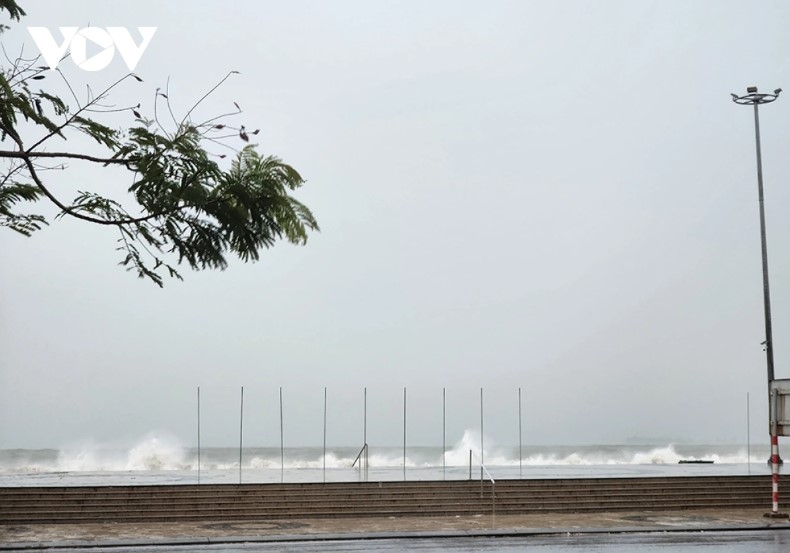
point(773, 411)
point(775, 475)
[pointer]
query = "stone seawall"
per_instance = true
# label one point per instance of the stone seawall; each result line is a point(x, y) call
point(244, 502)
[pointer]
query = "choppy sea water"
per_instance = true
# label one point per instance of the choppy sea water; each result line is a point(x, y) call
point(159, 460)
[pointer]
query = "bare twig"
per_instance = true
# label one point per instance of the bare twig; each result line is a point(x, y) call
point(68, 84)
point(70, 120)
point(206, 95)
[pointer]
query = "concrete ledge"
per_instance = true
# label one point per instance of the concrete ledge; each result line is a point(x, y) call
point(362, 536)
point(65, 536)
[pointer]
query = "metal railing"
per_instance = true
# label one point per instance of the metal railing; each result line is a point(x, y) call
point(362, 458)
point(483, 469)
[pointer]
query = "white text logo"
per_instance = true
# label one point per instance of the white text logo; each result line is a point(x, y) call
point(76, 41)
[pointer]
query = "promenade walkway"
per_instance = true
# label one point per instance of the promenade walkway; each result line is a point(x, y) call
point(36, 536)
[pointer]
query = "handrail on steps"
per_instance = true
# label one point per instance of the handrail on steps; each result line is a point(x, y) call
point(491, 478)
point(361, 451)
point(362, 457)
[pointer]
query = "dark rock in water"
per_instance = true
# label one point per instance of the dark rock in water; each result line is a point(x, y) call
point(694, 462)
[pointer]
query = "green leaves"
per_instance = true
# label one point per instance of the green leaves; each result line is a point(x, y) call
point(100, 133)
point(176, 202)
point(196, 211)
point(12, 8)
point(205, 214)
point(12, 193)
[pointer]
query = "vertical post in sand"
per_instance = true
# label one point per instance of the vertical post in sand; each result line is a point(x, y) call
point(241, 431)
point(198, 432)
point(324, 470)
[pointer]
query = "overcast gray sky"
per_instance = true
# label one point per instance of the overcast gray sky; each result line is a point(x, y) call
point(558, 196)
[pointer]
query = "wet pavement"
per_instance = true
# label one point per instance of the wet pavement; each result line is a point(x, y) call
point(36, 536)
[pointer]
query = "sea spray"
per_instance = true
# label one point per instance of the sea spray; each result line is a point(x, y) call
point(161, 452)
point(157, 452)
point(85, 458)
point(458, 455)
point(158, 458)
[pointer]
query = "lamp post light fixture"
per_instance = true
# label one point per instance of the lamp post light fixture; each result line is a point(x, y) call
point(755, 98)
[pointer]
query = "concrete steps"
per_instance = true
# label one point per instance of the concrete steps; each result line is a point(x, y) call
point(361, 499)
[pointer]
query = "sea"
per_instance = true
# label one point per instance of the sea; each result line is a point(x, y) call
point(157, 459)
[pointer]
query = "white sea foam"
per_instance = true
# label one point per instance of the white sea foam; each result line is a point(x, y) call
point(158, 457)
point(157, 452)
point(493, 455)
point(459, 454)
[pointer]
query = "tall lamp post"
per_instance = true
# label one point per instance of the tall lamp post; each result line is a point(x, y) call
point(755, 98)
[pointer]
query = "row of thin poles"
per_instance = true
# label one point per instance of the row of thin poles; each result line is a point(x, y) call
point(364, 453)
point(364, 460)
point(444, 432)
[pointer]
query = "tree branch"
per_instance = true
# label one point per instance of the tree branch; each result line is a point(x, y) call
point(70, 120)
point(24, 155)
point(70, 210)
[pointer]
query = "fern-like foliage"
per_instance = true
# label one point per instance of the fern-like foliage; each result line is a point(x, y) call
point(181, 206)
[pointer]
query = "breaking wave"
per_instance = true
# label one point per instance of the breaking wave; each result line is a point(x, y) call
point(161, 452)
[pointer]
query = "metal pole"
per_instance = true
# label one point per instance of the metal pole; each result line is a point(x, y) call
point(365, 431)
point(444, 433)
point(282, 441)
point(241, 430)
point(754, 99)
point(482, 454)
point(198, 431)
point(519, 433)
point(324, 471)
point(404, 433)
point(769, 343)
point(748, 437)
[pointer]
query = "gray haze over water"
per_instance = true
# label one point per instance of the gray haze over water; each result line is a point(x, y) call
point(556, 196)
